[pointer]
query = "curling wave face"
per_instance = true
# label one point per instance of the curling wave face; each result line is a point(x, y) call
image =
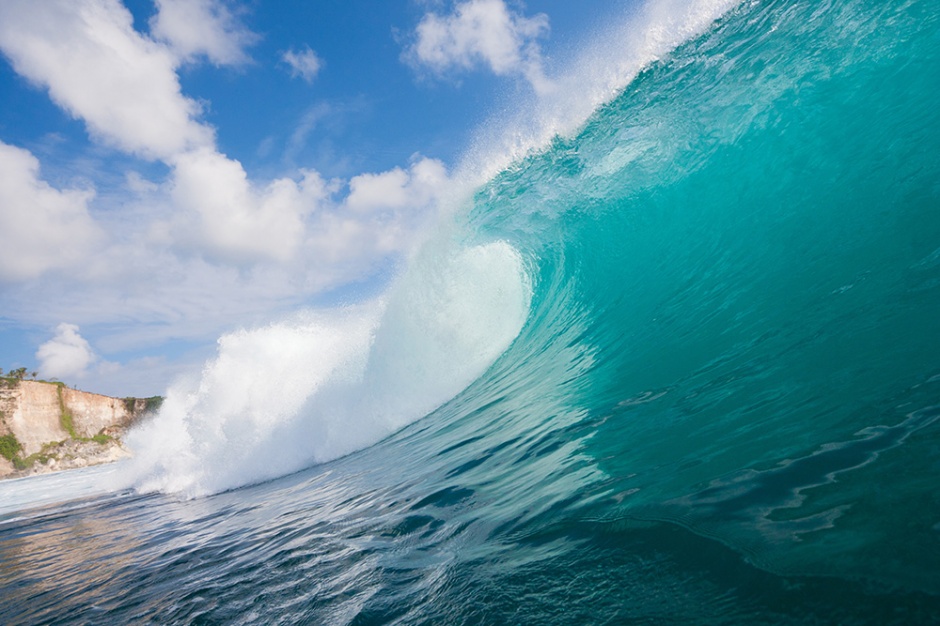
point(324, 384)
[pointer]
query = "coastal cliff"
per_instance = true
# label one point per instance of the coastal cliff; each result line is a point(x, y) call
point(46, 427)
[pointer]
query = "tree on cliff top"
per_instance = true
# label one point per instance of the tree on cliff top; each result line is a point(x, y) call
point(18, 374)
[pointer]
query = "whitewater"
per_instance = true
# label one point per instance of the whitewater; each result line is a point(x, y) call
point(672, 355)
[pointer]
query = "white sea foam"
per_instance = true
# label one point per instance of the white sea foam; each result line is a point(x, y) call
point(280, 398)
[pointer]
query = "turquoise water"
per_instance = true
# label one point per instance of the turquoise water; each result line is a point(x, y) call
point(723, 405)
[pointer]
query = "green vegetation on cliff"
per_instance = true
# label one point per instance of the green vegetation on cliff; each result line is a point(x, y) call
point(14, 376)
point(65, 416)
point(9, 447)
point(43, 456)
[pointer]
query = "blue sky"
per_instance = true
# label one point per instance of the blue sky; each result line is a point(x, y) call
point(171, 170)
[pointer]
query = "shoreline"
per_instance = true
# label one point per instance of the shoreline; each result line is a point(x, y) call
point(68, 455)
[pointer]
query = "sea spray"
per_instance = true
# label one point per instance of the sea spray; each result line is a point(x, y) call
point(279, 398)
point(612, 57)
point(217, 431)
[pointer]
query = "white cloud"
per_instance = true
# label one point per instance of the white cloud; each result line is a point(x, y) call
point(207, 27)
point(368, 192)
point(41, 228)
point(302, 220)
point(303, 63)
point(397, 189)
point(383, 216)
point(287, 220)
point(67, 355)
point(98, 68)
point(147, 290)
point(125, 87)
point(238, 222)
point(483, 31)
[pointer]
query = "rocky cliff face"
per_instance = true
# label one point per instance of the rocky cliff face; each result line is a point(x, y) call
point(48, 426)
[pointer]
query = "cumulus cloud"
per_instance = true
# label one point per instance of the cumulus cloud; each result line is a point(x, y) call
point(397, 188)
point(303, 63)
point(67, 355)
point(482, 32)
point(202, 27)
point(305, 219)
point(124, 85)
point(41, 228)
point(383, 216)
point(238, 221)
point(99, 69)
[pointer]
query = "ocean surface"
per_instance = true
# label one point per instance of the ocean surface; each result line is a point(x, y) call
point(677, 364)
